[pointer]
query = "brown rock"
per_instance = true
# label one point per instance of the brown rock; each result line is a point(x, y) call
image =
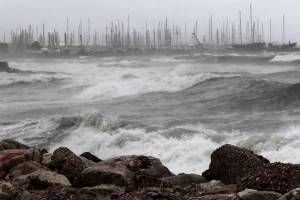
point(51, 193)
point(11, 158)
point(24, 169)
point(217, 187)
point(42, 179)
point(275, 177)
point(11, 144)
point(100, 192)
point(47, 159)
point(148, 165)
point(129, 171)
point(184, 179)
point(67, 163)
point(230, 163)
point(249, 194)
point(106, 173)
point(91, 157)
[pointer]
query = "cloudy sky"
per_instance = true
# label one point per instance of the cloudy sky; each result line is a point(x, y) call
point(15, 13)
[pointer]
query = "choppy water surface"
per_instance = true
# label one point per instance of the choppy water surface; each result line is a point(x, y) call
point(178, 108)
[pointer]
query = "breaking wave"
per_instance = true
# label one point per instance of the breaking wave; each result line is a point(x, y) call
point(183, 148)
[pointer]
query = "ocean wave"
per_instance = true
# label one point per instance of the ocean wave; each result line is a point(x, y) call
point(290, 57)
point(183, 148)
point(134, 84)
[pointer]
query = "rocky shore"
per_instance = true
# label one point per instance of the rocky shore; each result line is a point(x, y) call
point(28, 173)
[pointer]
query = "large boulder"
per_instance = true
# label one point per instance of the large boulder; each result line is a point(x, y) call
point(11, 144)
point(276, 177)
point(250, 194)
point(128, 171)
point(106, 172)
point(146, 164)
point(229, 163)
point(67, 163)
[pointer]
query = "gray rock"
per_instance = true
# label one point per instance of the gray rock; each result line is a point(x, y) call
point(292, 195)
point(184, 179)
point(217, 187)
point(100, 192)
point(250, 194)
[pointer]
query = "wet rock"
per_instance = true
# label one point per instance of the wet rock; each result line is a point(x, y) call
point(292, 195)
point(124, 171)
point(24, 169)
point(51, 193)
point(184, 179)
point(87, 162)
point(277, 177)
point(11, 144)
point(91, 157)
point(100, 192)
point(42, 179)
point(217, 187)
point(67, 163)
point(216, 197)
point(106, 173)
point(11, 158)
point(249, 194)
point(148, 165)
point(229, 163)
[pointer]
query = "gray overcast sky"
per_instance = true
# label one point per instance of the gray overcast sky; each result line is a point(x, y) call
point(15, 13)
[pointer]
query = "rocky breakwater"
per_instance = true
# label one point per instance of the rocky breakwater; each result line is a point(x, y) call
point(28, 173)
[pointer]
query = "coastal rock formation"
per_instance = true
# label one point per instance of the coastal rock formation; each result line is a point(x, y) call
point(230, 163)
point(276, 177)
point(32, 174)
point(124, 171)
point(67, 163)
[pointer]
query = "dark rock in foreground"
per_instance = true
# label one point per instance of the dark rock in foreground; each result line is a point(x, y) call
point(31, 174)
point(272, 177)
point(229, 163)
point(67, 163)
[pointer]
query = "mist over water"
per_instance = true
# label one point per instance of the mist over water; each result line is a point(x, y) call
point(178, 108)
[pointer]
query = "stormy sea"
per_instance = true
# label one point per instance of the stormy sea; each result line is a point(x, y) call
point(178, 108)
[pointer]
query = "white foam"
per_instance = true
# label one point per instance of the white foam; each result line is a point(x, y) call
point(185, 154)
point(286, 57)
point(110, 82)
